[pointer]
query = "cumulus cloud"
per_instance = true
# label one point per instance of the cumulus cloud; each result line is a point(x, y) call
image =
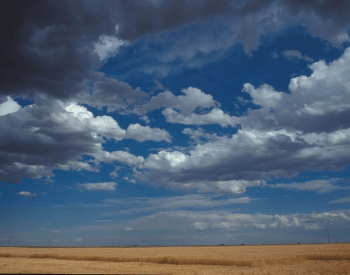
point(192, 99)
point(181, 109)
point(285, 136)
point(26, 194)
point(215, 116)
point(323, 96)
point(143, 133)
point(51, 134)
point(199, 135)
point(100, 186)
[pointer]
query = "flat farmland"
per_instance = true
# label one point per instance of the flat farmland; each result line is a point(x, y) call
point(261, 259)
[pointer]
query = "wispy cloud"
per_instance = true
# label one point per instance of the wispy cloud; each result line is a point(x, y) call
point(227, 221)
point(319, 186)
point(157, 204)
point(296, 55)
point(341, 200)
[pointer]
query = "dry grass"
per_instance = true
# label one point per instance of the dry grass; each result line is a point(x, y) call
point(281, 259)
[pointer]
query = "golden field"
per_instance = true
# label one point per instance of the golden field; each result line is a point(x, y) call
point(262, 259)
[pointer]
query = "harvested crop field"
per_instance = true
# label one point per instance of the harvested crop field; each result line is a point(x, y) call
point(262, 259)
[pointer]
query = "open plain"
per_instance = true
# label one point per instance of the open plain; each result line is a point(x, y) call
point(261, 259)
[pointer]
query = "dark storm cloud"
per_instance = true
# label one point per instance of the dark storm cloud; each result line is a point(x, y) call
point(336, 10)
point(49, 45)
point(147, 17)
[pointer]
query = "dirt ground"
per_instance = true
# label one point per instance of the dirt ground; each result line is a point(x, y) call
point(262, 259)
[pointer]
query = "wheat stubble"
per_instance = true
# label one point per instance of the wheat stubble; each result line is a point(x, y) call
point(268, 259)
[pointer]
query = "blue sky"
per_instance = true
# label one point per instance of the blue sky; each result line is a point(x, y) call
point(175, 123)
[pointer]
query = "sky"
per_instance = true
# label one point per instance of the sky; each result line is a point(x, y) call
point(176, 122)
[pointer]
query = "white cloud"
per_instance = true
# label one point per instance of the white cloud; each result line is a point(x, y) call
point(77, 239)
point(108, 127)
point(128, 229)
point(100, 186)
point(215, 116)
point(143, 133)
point(323, 96)
point(26, 194)
point(85, 120)
point(265, 96)
point(9, 106)
point(108, 46)
point(192, 99)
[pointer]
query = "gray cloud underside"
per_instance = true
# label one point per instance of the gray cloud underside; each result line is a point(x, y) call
point(49, 135)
